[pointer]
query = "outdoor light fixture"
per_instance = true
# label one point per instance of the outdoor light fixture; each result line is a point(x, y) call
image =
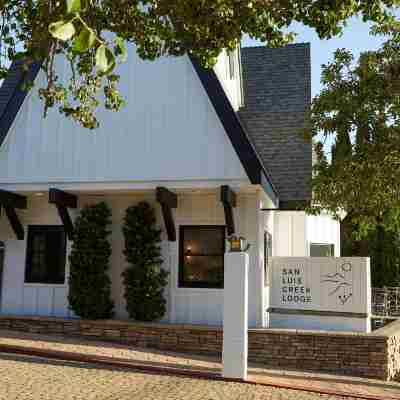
point(238, 244)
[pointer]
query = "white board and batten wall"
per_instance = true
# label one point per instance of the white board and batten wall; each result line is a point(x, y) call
point(206, 305)
point(184, 305)
point(295, 232)
point(167, 132)
point(18, 297)
point(168, 135)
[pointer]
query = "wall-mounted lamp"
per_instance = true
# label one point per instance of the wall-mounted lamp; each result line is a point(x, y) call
point(238, 244)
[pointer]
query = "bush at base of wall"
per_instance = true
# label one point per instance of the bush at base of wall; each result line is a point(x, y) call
point(144, 279)
point(89, 285)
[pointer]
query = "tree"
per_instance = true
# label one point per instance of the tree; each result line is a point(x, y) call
point(358, 111)
point(144, 279)
point(382, 246)
point(91, 35)
point(89, 284)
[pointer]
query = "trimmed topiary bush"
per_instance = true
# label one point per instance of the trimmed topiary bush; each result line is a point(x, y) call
point(144, 279)
point(89, 285)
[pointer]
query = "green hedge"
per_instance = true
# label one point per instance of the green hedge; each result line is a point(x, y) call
point(89, 285)
point(144, 279)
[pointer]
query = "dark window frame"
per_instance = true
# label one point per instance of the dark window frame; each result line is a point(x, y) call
point(332, 246)
point(199, 284)
point(51, 278)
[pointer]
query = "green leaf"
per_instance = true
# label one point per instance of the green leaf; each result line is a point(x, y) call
point(62, 30)
point(85, 40)
point(105, 60)
point(120, 49)
point(73, 6)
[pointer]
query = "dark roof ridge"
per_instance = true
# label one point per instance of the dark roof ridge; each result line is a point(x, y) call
point(235, 130)
point(12, 94)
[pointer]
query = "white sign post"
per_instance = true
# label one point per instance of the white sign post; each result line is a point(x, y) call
point(235, 319)
point(320, 293)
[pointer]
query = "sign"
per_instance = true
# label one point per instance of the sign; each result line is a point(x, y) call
point(320, 287)
point(293, 289)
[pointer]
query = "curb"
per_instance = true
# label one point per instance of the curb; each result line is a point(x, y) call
point(128, 364)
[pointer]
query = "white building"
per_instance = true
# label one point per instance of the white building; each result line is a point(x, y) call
point(203, 135)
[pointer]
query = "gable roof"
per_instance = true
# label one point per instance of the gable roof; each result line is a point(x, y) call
point(263, 134)
point(12, 95)
point(235, 130)
point(12, 98)
point(277, 97)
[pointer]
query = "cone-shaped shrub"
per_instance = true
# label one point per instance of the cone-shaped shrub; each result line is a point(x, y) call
point(144, 279)
point(89, 285)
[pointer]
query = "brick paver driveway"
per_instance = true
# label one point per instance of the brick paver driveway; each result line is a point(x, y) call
point(33, 378)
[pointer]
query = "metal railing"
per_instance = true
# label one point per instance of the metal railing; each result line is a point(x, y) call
point(386, 301)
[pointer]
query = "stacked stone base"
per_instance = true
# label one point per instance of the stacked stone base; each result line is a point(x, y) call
point(375, 355)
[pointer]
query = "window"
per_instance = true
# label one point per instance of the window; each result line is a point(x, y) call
point(232, 60)
point(267, 254)
point(201, 261)
point(322, 250)
point(45, 257)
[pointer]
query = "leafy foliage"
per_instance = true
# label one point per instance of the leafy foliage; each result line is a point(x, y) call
point(91, 35)
point(358, 110)
point(144, 279)
point(89, 284)
point(382, 246)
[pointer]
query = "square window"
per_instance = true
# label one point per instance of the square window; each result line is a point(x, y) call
point(45, 255)
point(201, 261)
point(322, 250)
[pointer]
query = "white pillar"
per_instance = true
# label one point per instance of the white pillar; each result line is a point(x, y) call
point(234, 353)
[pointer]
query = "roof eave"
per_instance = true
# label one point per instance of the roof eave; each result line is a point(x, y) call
point(235, 130)
point(16, 97)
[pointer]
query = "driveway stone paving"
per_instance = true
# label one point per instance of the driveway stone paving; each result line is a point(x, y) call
point(149, 385)
point(30, 378)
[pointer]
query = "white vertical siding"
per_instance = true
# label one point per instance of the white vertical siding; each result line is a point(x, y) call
point(233, 87)
point(294, 231)
point(290, 234)
point(184, 305)
point(247, 218)
point(323, 229)
point(206, 305)
point(266, 224)
point(169, 131)
point(26, 298)
point(118, 205)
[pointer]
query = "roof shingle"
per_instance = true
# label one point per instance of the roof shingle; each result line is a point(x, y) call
point(277, 96)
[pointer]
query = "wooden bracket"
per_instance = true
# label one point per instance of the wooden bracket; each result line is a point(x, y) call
point(10, 201)
point(168, 200)
point(63, 200)
point(228, 199)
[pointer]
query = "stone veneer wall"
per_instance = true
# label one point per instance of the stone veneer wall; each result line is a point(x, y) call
point(375, 355)
point(392, 333)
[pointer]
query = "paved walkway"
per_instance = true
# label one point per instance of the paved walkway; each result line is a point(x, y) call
point(50, 379)
point(33, 379)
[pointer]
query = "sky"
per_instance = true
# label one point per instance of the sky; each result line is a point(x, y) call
point(356, 37)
